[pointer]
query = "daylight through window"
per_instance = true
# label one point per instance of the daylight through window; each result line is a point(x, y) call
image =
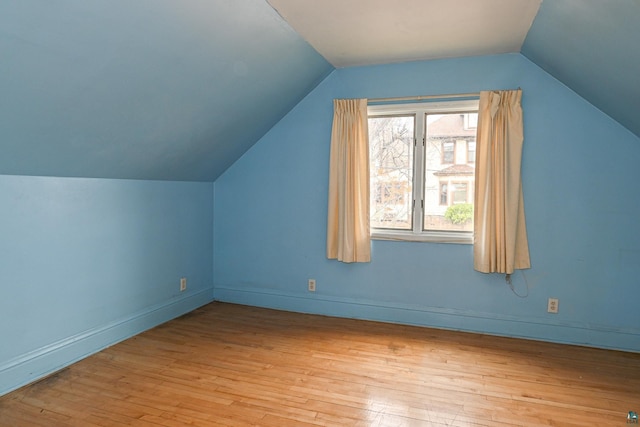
point(423, 170)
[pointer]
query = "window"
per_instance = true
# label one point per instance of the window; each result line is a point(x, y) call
point(471, 121)
point(444, 193)
point(448, 152)
point(460, 193)
point(471, 152)
point(391, 152)
point(423, 170)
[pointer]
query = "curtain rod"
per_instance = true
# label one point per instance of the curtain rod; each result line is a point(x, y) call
point(422, 97)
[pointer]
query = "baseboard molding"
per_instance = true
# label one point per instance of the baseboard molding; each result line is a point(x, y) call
point(533, 329)
point(48, 359)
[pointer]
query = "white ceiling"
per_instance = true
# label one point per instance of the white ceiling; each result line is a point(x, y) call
point(364, 32)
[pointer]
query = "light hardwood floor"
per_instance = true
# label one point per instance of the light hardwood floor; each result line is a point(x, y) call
point(231, 365)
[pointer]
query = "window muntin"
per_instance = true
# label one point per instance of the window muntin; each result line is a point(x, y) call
point(436, 166)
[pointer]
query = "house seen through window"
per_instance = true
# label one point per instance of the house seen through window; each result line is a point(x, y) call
point(423, 170)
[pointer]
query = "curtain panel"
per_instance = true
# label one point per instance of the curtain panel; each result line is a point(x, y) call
point(348, 235)
point(500, 236)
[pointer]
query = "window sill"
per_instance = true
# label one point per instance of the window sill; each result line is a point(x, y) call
point(455, 237)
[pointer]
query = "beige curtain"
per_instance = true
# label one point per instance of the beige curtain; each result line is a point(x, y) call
point(348, 237)
point(500, 240)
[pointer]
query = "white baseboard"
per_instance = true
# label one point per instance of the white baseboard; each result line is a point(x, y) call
point(46, 360)
point(588, 335)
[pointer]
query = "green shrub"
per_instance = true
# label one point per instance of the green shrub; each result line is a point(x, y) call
point(459, 214)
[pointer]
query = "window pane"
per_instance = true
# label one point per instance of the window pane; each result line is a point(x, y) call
point(391, 150)
point(444, 193)
point(448, 151)
point(449, 176)
point(471, 152)
point(459, 193)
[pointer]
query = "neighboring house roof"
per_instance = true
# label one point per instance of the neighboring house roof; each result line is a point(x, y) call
point(450, 126)
point(461, 169)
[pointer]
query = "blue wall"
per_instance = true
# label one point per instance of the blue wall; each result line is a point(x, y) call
point(580, 173)
point(85, 263)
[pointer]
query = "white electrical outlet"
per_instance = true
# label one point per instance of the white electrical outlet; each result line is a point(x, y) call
point(312, 285)
point(183, 284)
point(552, 305)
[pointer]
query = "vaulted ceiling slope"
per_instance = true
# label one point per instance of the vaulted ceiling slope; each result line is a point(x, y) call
point(145, 89)
point(180, 89)
point(593, 47)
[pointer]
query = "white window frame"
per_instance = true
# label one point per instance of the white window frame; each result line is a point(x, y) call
point(420, 109)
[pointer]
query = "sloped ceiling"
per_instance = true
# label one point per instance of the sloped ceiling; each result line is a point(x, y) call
point(593, 47)
point(144, 89)
point(180, 89)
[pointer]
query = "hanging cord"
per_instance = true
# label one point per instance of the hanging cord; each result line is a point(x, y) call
point(507, 278)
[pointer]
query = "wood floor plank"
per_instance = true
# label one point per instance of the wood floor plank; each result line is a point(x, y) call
point(230, 365)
